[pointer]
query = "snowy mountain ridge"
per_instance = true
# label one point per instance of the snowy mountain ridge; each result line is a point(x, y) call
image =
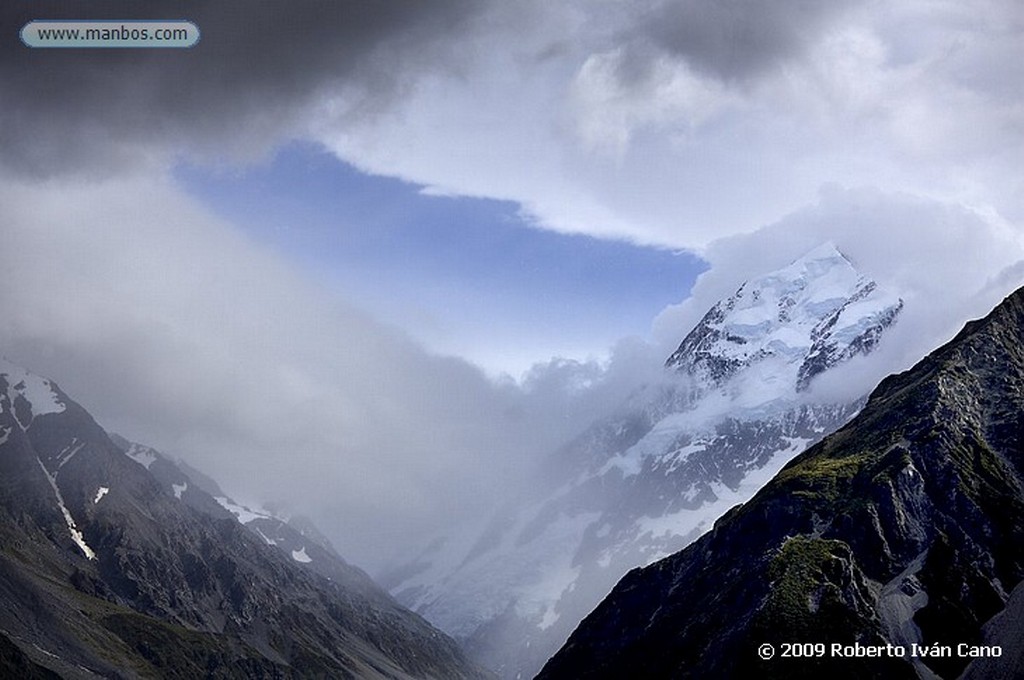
point(28, 394)
point(796, 322)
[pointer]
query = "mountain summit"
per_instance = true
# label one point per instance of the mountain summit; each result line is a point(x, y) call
point(902, 533)
point(803, 319)
point(644, 483)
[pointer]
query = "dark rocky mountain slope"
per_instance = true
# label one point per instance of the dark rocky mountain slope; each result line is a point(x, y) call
point(904, 528)
point(104, 572)
point(296, 537)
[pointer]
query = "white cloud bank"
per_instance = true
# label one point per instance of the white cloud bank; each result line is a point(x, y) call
point(610, 119)
point(173, 328)
point(679, 123)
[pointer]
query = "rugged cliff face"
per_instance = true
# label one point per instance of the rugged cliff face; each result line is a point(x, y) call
point(107, 570)
point(904, 528)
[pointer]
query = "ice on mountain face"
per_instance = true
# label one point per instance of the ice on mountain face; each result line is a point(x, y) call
point(301, 556)
point(559, 576)
point(667, 435)
point(38, 392)
point(853, 329)
point(69, 452)
point(76, 535)
point(266, 538)
point(549, 618)
point(242, 513)
point(484, 587)
point(4, 433)
point(687, 521)
point(100, 493)
point(179, 489)
point(143, 455)
point(802, 319)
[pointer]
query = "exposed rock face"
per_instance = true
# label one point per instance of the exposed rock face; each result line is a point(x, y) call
point(104, 570)
point(645, 483)
point(905, 527)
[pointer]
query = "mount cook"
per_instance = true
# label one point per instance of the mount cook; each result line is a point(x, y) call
point(733, 409)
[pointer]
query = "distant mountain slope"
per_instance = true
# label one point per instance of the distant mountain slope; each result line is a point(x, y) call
point(644, 483)
point(297, 538)
point(905, 527)
point(104, 571)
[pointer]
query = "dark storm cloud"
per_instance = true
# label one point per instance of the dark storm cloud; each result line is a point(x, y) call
point(732, 40)
point(257, 65)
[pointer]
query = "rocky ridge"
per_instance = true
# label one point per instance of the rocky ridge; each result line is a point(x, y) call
point(904, 528)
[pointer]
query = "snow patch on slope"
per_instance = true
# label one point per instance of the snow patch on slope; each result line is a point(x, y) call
point(301, 556)
point(76, 535)
point(100, 493)
point(68, 452)
point(559, 576)
point(242, 513)
point(143, 455)
point(262, 535)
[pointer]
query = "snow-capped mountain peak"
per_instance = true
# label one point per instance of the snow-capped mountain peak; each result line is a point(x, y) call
point(796, 322)
point(645, 482)
point(28, 394)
